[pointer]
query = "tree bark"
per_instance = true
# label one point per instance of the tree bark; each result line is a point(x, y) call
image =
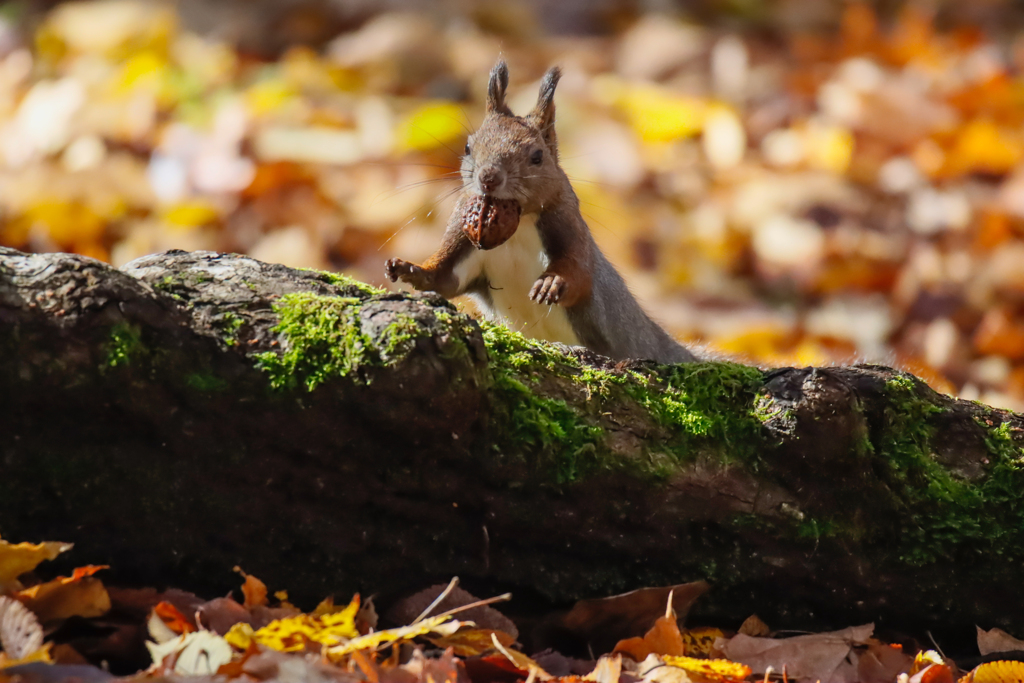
point(194, 411)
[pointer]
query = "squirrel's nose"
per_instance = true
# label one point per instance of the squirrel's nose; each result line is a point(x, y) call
point(491, 179)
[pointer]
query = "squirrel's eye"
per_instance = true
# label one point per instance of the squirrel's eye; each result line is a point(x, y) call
point(467, 149)
point(537, 157)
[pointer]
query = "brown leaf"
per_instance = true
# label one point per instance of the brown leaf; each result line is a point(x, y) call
point(753, 626)
point(406, 610)
point(604, 622)
point(254, 590)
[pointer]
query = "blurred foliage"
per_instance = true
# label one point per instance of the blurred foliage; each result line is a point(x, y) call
point(800, 187)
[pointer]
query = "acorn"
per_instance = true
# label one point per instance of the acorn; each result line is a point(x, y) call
point(489, 222)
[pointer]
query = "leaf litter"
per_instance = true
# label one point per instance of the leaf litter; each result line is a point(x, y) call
point(267, 638)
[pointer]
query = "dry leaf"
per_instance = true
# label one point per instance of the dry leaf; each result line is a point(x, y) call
point(473, 641)
point(78, 595)
point(607, 670)
point(441, 625)
point(721, 670)
point(21, 558)
point(822, 656)
point(194, 654)
point(754, 627)
point(20, 631)
point(254, 590)
point(997, 640)
point(605, 621)
point(996, 672)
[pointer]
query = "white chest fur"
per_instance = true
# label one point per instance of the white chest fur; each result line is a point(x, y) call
point(511, 270)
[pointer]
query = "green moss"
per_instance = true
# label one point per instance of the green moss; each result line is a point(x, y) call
point(345, 282)
point(399, 337)
point(205, 382)
point(124, 344)
point(704, 408)
point(324, 340)
point(230, 324)
point(956, 517)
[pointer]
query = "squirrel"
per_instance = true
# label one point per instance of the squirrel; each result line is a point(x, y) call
point(516, 242)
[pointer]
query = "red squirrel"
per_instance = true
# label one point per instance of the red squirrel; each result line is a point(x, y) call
point(517, 243)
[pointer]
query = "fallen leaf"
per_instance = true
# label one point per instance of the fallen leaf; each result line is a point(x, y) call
point(996, 672)
point(78, 595)
point(699, 642)
point(997, 640)
point(603, 622)
point(20, 631)
point(296, 633)
point(254, 590)
point(821, 656)
point(440, 625)
point(721, 670)
point(472, 641)
point(607, 670)
point(195, 654)
point(753, 626)
point(522, 662)
point(21, 558)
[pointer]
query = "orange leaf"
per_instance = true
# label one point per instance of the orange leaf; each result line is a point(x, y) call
point(663, 639)
point(254, 590)
point(172, 618)
point(937, 673)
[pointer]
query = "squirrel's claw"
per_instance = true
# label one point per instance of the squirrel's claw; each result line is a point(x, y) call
point(548, 289)
point(396, 269)
point(421, 279)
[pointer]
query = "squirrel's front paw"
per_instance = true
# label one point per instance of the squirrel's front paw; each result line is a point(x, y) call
point(396, 269)
point(548, 289)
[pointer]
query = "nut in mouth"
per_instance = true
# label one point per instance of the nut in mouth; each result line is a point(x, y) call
point(489, 222)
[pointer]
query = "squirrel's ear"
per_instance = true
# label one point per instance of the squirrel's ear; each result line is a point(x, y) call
point(543, 115)
point(496, 88)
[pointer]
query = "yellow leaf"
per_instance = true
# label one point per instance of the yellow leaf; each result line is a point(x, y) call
point(472, 641)
point(40, 655)
point(700, 641)
point(430, 126)
point(716, 669)
point(269, 95)
point(21, 558)
point(295, 633)
point(145, 70)
point(67, 221)
point(656, 114)
point(240, 635)
point(441, 625)
point(828, 147)
point(192, 214)
point(997, 672)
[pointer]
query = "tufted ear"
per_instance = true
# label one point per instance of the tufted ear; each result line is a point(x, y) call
point(496, 89)
point(543, 115)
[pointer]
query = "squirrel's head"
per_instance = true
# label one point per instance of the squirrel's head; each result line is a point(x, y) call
point(515, 157)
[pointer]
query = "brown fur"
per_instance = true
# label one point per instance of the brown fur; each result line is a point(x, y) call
point(512, 157)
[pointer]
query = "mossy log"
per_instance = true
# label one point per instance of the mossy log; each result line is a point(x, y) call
point(194, 411)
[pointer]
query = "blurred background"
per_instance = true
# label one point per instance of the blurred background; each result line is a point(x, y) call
point(789, 182)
